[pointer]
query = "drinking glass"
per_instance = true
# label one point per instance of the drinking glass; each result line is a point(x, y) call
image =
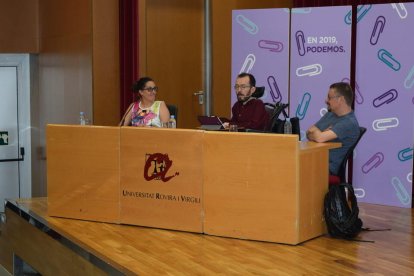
point(233, 127)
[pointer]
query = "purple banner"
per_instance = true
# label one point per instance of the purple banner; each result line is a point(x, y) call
point(320, 56)
point(385, 103)
point(260, 46)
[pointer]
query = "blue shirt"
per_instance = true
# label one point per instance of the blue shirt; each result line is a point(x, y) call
point(346, 129)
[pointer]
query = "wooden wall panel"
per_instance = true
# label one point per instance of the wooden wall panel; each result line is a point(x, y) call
point(65, 60)
point(221, 53)
point(77, 68)
point(106, 79)
point(64, 68)
point(174, 32)
point(80, 41)
point(19, 26)
point(64, 18)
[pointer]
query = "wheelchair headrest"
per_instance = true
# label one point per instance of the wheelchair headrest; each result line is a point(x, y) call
point(259, 92)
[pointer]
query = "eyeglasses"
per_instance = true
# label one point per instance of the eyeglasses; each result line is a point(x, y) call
point(242, 87)
point(151, 89)
point(333, 97)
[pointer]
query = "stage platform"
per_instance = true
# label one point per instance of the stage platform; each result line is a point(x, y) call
point(59, 246)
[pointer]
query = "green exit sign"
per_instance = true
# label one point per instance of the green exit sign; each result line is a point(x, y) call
point(4, 138)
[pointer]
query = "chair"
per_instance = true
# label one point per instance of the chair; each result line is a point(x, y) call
point(173, 109)
point(341, 176)
point(270, 110)
point(259, 92)
point(273, 110)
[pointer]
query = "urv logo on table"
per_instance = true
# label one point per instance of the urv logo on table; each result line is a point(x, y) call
point(157, 166)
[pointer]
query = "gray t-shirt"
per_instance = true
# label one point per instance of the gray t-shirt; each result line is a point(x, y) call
point(346, 129)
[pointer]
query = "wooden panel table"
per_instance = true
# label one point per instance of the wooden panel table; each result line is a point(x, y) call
point(264, 187)
point(83, 172)
point(161, 178)
point(257, 186)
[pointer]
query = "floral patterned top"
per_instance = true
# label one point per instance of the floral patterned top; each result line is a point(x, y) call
point(149, 116)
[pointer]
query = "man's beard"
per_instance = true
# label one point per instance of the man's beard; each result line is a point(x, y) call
point(242, 98)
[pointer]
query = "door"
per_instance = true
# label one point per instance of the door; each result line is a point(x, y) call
point(9, 135)
point(173, 55)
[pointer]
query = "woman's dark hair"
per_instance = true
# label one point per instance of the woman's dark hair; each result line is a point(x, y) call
point(140, 84)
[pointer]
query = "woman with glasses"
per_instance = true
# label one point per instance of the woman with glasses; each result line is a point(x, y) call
point(146, 111)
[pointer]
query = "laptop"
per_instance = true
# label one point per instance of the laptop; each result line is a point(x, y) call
point(211, 122)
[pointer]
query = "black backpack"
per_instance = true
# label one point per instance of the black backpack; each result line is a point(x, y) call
point(341, 215)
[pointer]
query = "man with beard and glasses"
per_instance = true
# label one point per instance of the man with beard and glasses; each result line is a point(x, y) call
point(339, 124)
point(248, 112)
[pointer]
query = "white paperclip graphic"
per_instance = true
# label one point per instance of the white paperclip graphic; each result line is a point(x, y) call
point(410, 177)
point(402, 193)
point(401, 10)
point(248, 25)
point(248, 63)
point(359, 193)
point(310, 70)
point(409, 80)
point(384, 124)
point(323, 111)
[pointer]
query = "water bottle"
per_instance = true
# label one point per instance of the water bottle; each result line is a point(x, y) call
point(172, 123)
point(288, 126)
point(82, 119)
